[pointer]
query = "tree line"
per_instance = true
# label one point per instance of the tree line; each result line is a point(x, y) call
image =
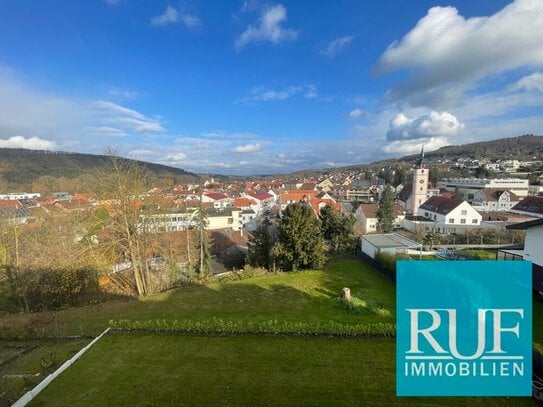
point(300, 240)
point(64, 258)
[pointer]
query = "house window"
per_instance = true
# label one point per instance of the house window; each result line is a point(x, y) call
point(451, 220)
point(463, 221)
point(435, 217)
point(464, 212)
point(474, 221)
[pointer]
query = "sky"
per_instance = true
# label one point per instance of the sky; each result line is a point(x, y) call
point(253, 87)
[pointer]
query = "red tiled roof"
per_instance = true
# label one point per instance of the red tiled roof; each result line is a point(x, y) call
point(243, 202)
point(297, 195)
point(261, 196)
point(216, 196)
point(370, 210)
point(7, 203)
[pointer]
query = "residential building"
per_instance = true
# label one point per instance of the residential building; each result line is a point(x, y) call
point(469, 186)
point(248, 220)
point(492, 167)
point(21, 195)
point(219, 200)
point(62, 196)
point(326, 185)
point(359, 191)
point(491, 199)
point(531, 206)
point(366, 217)
point(217, 218)
point(449, 214)
point(15, 215)
point(310, 197)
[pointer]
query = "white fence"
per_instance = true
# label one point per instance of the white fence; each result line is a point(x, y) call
point(30, 395)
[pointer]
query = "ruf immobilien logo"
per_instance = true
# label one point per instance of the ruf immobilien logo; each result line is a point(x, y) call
point(464, 328)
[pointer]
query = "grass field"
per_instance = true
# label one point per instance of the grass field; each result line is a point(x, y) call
point(302, 296)
point(156, 370)
point(248, 370)
point(36, 360)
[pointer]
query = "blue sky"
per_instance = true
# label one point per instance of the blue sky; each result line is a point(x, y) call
point(253, 87)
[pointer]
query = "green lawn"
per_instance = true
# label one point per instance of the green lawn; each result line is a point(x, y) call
point(156, 370)
point(247, 370)
point(303, 296)
point(41, 359)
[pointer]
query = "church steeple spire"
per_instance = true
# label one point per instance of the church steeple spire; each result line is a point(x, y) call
point(420, 161)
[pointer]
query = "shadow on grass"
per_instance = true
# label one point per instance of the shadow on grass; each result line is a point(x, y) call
point(304, 296)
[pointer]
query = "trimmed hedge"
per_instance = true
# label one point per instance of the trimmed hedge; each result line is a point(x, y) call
point(266, 328)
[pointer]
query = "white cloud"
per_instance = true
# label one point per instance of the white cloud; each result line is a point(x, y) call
point(123, 94)
point(172, 15)
point(74, 122)
point(356, 114)
point(431, 130)
point(127, 119)
point(429, 125)
point(530, 82)
point(268, 28)
point(32, 143)
point(261, 94)
point(414, 146)
point(247, 148)
point(310, 92)
point(108, 131)
point(447, 53)
point(178, 157)
point(335, 46)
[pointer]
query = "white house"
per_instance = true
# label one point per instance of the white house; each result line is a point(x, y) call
point(217, 218)
point(17, 196)
point(223, 218)
point(366, 217)
point(491, 199)
point(248, 220)
point(219, 200)
point(492, 167)
point(449, 214)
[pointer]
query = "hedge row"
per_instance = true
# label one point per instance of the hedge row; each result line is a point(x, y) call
point(266, 328)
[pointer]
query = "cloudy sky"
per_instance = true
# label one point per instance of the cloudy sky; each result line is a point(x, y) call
point(254, 87)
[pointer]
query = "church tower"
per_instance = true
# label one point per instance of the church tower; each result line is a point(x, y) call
point(419, 194)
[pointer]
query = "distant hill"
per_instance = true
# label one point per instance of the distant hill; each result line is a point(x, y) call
point(524, 147)
point(20, 167)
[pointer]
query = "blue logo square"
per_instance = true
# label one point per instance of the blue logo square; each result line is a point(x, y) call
point(464, 328)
